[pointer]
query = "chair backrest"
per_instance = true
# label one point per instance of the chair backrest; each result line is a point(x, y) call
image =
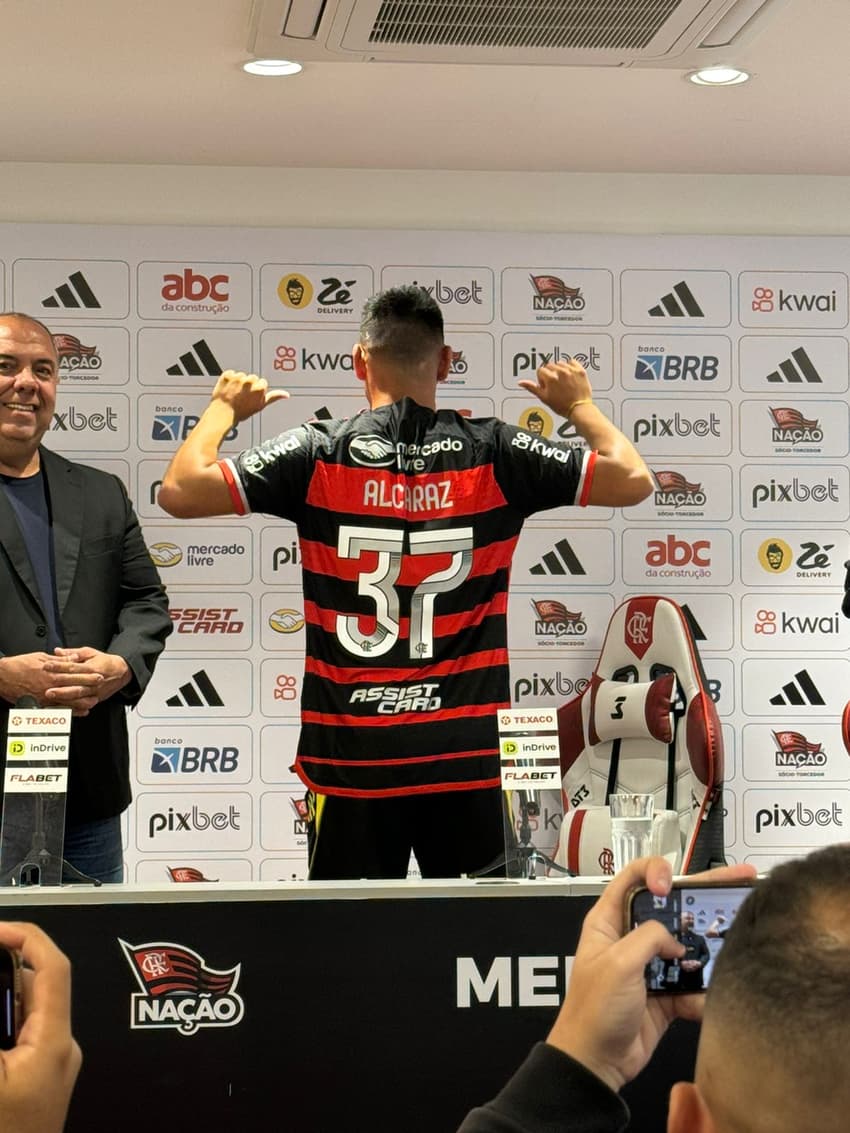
point(645, 723)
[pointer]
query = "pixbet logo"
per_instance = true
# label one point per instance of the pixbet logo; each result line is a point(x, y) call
point(463, 293)
point(285, 556)
point(794, 491)
point(534, 359)
point(72, 420)
point(557, 686)
point(194, 819)
point(676, 426)
point(799, 815)
point(195, 287)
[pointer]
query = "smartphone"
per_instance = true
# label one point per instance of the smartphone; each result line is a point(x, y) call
point(10, 997)
point(697, 913)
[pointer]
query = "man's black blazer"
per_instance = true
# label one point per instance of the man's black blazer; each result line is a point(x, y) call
point(109, 596)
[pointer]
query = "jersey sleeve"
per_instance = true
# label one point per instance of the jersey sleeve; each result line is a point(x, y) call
point(274, 476)
point(535, 473)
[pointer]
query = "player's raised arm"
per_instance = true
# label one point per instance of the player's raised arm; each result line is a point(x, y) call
point(194, 484)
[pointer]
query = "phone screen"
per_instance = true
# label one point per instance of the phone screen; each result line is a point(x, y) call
point(10, 997)
point(698, 915)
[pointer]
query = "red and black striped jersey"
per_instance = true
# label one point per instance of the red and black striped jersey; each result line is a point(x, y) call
point(407, 519)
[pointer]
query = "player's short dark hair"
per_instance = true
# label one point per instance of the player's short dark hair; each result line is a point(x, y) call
point(29, 319)
point(784, 970)
point(404, 323)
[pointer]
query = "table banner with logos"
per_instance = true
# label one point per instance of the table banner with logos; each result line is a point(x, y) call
point(725, 359)
point(357, 1007)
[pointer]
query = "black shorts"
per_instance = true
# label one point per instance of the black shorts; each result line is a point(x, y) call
point(450, 832)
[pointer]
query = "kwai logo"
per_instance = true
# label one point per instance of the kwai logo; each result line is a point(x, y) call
point(179, 991)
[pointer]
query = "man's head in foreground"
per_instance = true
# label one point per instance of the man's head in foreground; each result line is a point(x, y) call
point(774, 1051)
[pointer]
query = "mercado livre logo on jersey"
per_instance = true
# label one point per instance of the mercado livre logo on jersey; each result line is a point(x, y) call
point(179, 990)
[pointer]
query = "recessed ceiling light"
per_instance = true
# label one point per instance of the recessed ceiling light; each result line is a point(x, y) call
point(271, 67)
point(718, 76)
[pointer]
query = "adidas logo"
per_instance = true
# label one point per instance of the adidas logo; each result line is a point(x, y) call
point(562, 559)
point(197, 363)
point(73, 294)
point(798, 368)
point(802, 690)
point(680, 304)
point(197, 693)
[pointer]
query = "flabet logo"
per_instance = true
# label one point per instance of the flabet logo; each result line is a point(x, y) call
point(178, 990)
point(295, 291)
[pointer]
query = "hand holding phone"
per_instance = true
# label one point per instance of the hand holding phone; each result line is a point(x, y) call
point(11, 1002)
point(698, 913)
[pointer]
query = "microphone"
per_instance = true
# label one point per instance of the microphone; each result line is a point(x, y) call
point(27, 702)
point(845, 605)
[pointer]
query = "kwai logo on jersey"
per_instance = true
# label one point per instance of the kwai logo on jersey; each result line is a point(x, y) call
point(553, 619)
point(675, 491)
point(179, 991)
point(792, 428)
point(802, 299)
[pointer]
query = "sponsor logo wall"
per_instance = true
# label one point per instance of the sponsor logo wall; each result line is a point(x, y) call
point(725, 361)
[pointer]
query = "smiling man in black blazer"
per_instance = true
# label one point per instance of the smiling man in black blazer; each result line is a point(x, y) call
point(84, 613)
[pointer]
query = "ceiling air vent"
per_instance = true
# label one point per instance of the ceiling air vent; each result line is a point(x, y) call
point(580, 33)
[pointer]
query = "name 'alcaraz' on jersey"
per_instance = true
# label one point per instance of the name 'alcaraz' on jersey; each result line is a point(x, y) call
point(407, 519)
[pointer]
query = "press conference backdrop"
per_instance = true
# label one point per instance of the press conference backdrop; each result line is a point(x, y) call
point(724, 359)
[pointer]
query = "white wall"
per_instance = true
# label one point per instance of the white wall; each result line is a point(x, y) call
point(354, 198)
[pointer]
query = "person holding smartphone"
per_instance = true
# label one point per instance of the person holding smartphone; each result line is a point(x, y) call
point(782, 978)
point(38, 1072)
